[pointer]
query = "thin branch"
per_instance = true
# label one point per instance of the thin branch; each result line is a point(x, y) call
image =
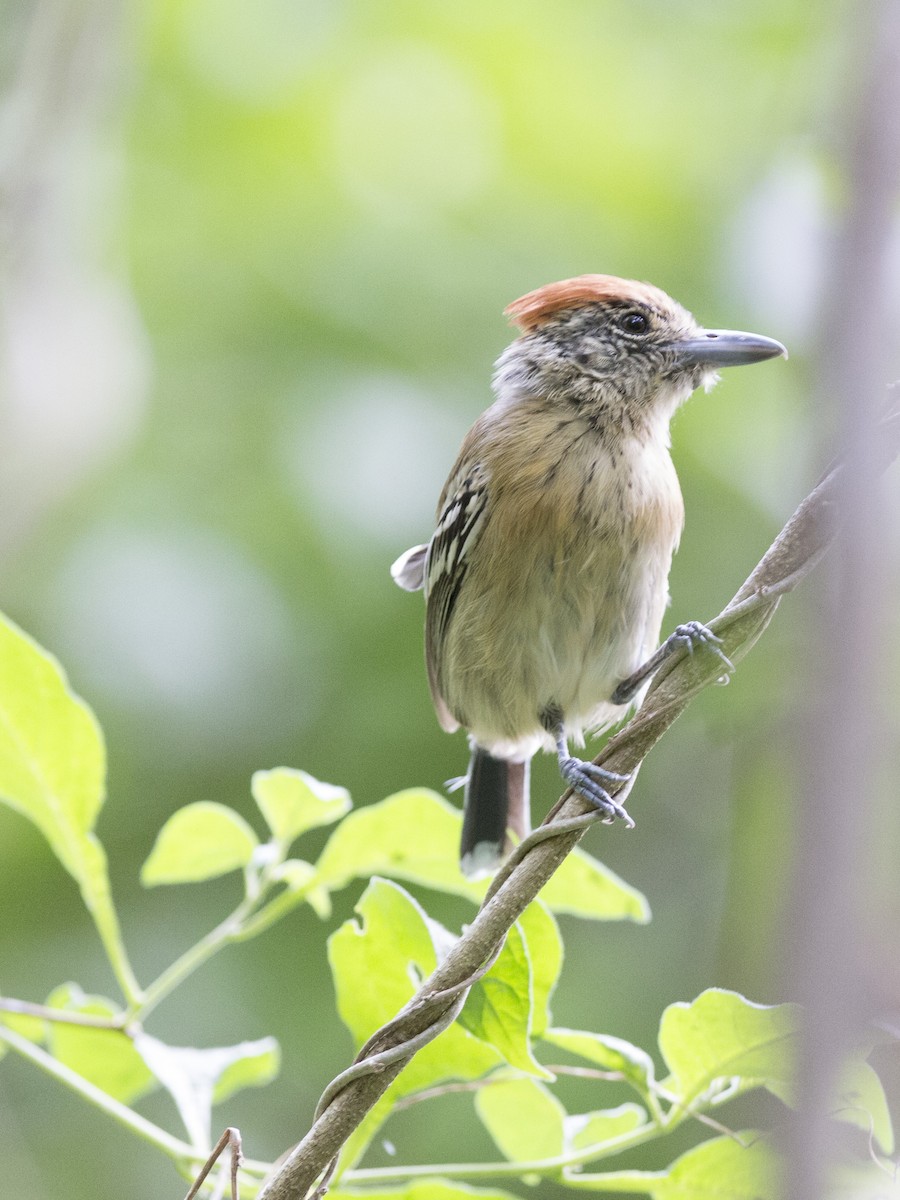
point(478, 1085)
point(553, 1166)
point(174, 1147)
point(45, 1013)
point(228, 930)
point(186, 1157)
point(230, 1139)
point(795, 552)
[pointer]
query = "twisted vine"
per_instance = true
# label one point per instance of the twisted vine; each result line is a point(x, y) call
point(350, 1096)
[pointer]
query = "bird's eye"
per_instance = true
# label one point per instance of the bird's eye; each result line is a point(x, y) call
point(634, 322)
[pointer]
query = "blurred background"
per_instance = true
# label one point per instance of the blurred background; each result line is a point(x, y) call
point(253, 261)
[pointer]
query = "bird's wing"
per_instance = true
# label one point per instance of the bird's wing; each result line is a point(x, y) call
point(462, 517)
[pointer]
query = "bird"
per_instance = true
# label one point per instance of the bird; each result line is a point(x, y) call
point(546, 577)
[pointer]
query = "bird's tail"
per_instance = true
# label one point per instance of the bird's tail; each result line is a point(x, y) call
point(496, 801)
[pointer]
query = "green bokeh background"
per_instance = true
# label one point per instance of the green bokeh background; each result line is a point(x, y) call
point(254, 263)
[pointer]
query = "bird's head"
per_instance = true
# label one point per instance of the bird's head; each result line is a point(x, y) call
point(617, 347)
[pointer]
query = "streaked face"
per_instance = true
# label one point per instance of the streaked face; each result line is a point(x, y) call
point(617, 338)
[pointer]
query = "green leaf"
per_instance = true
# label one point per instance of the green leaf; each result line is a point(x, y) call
point(52, 760)
point(53, 771)
point(424, 1189)
point(297, 875)
point(721, 1036)
point(377, 963)
point(857, 1098)
point(293, 802)
point(609, 1054)
point(377, 966)
point(249, 1064)
point(105, 1057)
point(860, 1101)
point(25, 1025)
point(371, 959)
point(584, 887)
point(545, 954)
point(582, 1130)
point(523, 1117)
point(200, 841)
point(864, 1181)
point(294, 873)
point(198, 1079)
point(498, 1009)
point(414, 835)
point(721, 1169)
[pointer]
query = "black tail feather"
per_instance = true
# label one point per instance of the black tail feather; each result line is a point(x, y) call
point(496, 797)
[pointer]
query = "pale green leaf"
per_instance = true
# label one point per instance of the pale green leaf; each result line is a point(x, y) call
point(523, 1117)
point(498, 1009)
point(200, 841)
point(860, 1100)
point(294, 873)
point(249, 1064)
point(105, 1057)
point(414, 835)
point(53, 771)
point(642, 1182)
point(424, 1189)
point(199, 1078)
point(584, 887)
point(609, 1054)
point(293, 802)
point(297, 875)
point(721, 1169)
point(378, 963)
point(582, 1130)
point(34, 1029)
point(25, 1025)
point(721, 1036)
point(863, 1181)
point(52, 759)
point(320, 902)
point(545, 954)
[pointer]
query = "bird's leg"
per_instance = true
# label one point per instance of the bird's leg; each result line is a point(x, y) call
point(686, 637)
point(586, 778)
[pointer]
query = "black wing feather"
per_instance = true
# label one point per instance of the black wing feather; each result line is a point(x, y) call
point(449, 552)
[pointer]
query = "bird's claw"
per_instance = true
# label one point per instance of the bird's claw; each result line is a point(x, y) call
point(587, 779)
point(695, 634)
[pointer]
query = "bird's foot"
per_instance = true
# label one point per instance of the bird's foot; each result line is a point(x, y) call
point(587, 779)
point(695, 635)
